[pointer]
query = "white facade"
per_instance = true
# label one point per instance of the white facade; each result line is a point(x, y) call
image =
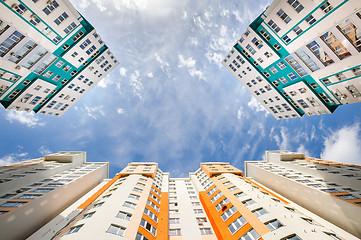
point(51, 41)
point(330, 190)
point(52, 183)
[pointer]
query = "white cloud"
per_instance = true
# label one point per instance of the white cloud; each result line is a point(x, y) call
point(344, 145)
point(120, 110)
point(95, 112)
point(282, 141)
point(136, 84)
point(240, 113)
point(193, 41)
point(25, 118)
point(302, 149)
point(106, 81)
point(150, 75)
point(44, 150)
point(190, 63)
point(123, 71)
point(256, 106)
point(12, 158)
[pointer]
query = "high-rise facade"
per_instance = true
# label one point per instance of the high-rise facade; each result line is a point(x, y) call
point(35, 191)
point(329, 189)
point(214, 202)
point(301, 57)
point(50, 56)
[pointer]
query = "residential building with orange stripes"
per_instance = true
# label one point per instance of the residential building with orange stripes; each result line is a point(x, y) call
point(35, 191)
point(331, 190)
point(215, 202)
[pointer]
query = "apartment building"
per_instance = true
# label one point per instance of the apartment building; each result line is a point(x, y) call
point(214, 202)
point(301, 57)
point(50, 56)
point(329, 189)
point(35, 191)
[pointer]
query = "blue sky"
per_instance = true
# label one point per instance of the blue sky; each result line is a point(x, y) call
point(170, 101)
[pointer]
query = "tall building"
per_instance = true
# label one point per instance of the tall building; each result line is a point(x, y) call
point(301, 57)
point(35, 191)
point(214, 202)
point(329, 189)
point(50, 56)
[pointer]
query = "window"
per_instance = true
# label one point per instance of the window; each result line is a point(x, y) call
point(205, 231)
point(201, 220)
point(310, 221)
point(3, 212)
point(216, 197)
point(283, 16)
point(198, 210)
point(43, 190)
point(353, 90)
point(283, 80)
point(251, 49)
point(145, 224)
point(88, 215)
point(310, 19)
point(50, 7)
point(297, 30)
point(140, 237)
point(274, 26)
point(265, 34)
point(307, 60)
point(195, 204)
point(12, 204)
point(69, 28)
point(292, 76)
point(336, 46)
point(133, 196)
point(326, 7)
point(273, 70)
point(153, 205)
point(116, 230)
point(248, 202)
point(222, 203)
point(234, 187)
point(137, 190)
point(29, 196)
point(274, 225)
point(333, 236)
point(320, 53)
point(61, 18)
point(227, 214)
point(237, 224)
point(173, 220)
point(74, 229)
point(259, 212)
point(237, 195)
point(349, 30)
point(296, 5)
point(257, 42)
point(292, 237)
point(347, 196)
point(250, 235)
point(173, 232)
point(129, 205)
point(286, 39)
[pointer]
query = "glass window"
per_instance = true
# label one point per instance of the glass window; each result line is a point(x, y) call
point(237, 224)
point(283, 16)
point(320, 53)
point(116, 230)
point(274, 224)
point(307, 60)
point(259, 212)
point(351, 32)
point(335, 45)
point(74, 229)
point(250, 235)
point(296, 5)
point(205, 231)
point(173, 232)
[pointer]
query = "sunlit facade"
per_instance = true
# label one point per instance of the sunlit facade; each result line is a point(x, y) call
point(35, 191)
point(332, 190)
point(301, 57)
point(215, 202)
point(50, 56)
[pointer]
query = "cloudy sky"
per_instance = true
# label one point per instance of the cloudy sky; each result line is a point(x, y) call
point(170, 100)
